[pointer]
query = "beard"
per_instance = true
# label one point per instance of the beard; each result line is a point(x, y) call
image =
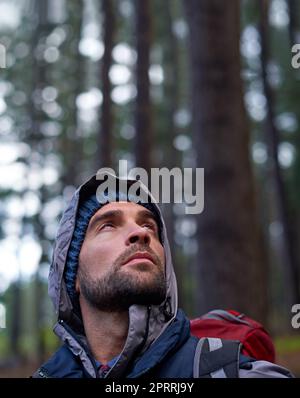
point(118, 289)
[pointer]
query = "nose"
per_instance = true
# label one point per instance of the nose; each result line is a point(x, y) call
point(138, 235)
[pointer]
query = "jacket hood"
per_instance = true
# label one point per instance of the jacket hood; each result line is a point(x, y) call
point(146, 324)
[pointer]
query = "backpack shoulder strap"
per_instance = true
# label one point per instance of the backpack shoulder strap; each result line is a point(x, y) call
point(216, 358)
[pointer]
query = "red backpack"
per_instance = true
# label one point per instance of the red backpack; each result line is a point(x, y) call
point(232, 325)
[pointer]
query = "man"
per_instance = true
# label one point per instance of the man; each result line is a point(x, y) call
point(114, 290)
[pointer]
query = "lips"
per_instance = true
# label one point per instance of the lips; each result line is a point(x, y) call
point(139, 256)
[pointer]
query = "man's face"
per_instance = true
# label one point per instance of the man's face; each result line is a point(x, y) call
point(121, 261)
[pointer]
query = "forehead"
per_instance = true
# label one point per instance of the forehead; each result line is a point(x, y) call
point(127, 208)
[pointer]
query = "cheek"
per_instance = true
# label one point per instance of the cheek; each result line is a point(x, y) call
point(96, 256)
point(91, 257)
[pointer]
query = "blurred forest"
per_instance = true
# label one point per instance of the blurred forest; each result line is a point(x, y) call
point(160, 83)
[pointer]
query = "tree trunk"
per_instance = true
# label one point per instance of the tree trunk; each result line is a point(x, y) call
point(143, 127)
point(292, 6)
point(231, 269)
point(167, 128)
point(72, 140)
point(39, 81)
point(105, 137)
point(289, 253)
point(294, 209)
point(16, 326)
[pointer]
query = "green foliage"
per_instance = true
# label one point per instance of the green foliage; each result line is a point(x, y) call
point(4, 344)
point(287, 344)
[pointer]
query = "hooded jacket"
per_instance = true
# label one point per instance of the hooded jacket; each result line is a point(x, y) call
point(158, 344)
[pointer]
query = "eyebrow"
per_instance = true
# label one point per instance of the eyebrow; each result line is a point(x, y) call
point(147, 214)
point(119, 214)
point(101, 217)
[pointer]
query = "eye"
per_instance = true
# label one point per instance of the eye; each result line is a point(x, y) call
point(106, 225)
point(151, 226)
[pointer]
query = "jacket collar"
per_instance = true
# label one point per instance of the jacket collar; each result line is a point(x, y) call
point(170, 340)
point(74, 362)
